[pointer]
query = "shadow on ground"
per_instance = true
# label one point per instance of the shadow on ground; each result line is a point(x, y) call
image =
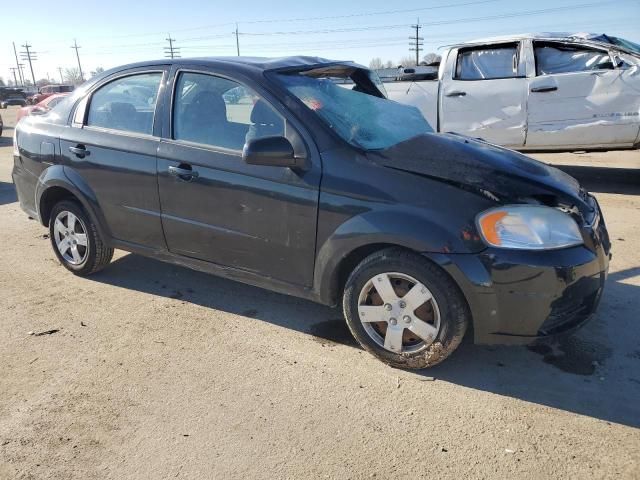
point(605, 179)
point(596, 372)
point(7, 193)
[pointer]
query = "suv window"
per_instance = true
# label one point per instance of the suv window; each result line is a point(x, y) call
point(126, 104)
point(561, 58)
point(487, 62)
point(220, 112)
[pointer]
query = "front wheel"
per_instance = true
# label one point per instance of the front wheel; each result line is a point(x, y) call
point(76, 240)
point(405, 310)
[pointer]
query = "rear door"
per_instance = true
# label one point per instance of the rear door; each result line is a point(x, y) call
point(579, 98)
point(111, 146)
point(217, 208)
point(483, 93)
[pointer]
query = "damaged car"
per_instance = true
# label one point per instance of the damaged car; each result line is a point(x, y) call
point(548, 91)
point(272, 173)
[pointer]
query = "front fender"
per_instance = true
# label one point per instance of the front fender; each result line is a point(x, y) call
point(408, 229)
point(58, 176)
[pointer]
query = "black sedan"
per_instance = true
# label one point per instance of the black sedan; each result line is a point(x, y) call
point(300, 176)
point(13, 101)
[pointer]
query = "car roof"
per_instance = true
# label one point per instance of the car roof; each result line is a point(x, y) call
point(581, 37)
point(244, 63)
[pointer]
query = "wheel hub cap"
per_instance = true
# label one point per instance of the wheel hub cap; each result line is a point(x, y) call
point(70, 236)
point(399, 313)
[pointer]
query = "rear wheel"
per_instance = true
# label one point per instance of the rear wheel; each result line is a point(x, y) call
point(404, 310)
point(76, 241)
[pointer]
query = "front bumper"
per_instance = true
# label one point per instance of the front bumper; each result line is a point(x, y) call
point(519, 297)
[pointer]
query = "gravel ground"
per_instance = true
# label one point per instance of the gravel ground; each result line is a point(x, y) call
point(151, 371)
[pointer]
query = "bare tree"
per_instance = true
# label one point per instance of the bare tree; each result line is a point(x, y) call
point(72, 75)
point(97, 71)
point(431, 58)
point(375, 63)
point(407, 62)
point(42, 82)
point(389, 64)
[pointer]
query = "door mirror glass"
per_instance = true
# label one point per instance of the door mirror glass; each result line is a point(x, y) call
point(270, 151)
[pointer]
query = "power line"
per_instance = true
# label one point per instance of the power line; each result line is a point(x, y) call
point(371, 14)
point(416, 41)
point(237, 33)
point(171, 51)
point(440, 22)
point(75, 46)
point(304, 19)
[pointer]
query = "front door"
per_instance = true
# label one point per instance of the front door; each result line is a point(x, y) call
point(484, 94)
point(217, 208)
point(112, 148)
point(579, 98)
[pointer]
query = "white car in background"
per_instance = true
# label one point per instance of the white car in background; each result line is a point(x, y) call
point(535, 92)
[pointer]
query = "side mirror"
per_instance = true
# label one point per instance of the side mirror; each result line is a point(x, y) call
point(618, 62)
point(270, 151)
point(39, 111)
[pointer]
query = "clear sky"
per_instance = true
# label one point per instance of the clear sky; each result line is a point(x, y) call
point(113, 32)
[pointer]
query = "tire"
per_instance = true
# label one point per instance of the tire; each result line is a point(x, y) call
point(91, 253)
point(423, 328)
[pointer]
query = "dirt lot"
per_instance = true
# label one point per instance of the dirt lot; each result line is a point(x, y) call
point(158, 372)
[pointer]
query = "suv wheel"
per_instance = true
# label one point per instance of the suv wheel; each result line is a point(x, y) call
point(76, 241)
point(404, 310)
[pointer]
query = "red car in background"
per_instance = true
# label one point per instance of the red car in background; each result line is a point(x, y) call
point(47, 91)
point(41, 108)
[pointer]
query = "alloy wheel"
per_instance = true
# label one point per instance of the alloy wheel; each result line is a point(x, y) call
point(399, 313)
point(70, 235)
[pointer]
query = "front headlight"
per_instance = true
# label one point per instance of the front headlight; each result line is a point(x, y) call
point(528, 227)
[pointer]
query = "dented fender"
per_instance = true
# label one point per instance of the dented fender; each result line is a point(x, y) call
point(64, 177)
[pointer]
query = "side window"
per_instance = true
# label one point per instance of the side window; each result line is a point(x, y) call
point(220, 112)
point(485, 63)
point(559, 58)
point(54, 102)
point(126, 104)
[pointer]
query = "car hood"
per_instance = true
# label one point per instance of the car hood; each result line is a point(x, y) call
point(492, 171)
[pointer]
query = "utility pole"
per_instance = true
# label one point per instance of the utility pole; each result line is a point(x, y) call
point(237, 34)
point(15, 80)
point(18, 64)
point(76, 47)
point(29, 56)
point(21, 70)
point(171, 51)
point(60, 72)
point(416, 42)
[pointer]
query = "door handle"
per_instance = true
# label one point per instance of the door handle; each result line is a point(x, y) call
point(456, 94)
point(183, 172)
point(80, 151)
point(544, 89)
